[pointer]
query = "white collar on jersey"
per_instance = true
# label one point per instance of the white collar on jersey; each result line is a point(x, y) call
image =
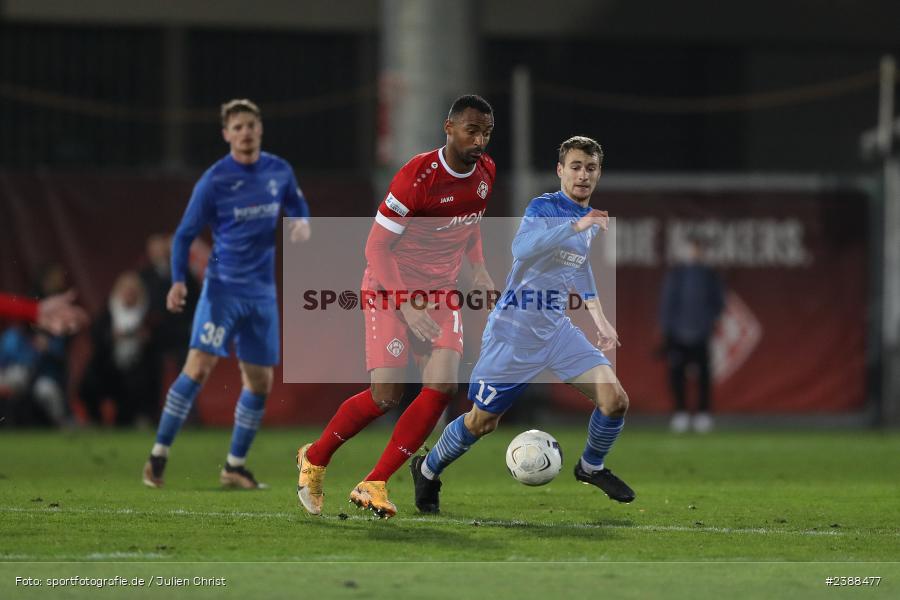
point(451, 171)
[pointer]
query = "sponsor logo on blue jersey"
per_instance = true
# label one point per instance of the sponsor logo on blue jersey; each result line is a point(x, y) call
point(569, 259)
point(258, 211)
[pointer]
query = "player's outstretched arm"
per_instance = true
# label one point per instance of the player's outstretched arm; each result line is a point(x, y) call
point(59, 314)
point(595, 217)
point(18, 308)
point(535, 237)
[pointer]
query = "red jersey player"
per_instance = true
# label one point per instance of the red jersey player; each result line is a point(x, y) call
point(424, 226)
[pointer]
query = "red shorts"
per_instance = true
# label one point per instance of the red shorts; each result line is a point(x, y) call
point(390, 344)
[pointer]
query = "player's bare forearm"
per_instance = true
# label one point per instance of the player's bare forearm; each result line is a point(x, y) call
point(481, 279)
point(607, 336)
point(177, 297)
point(300, 230)
point(596, 309)
point(474, 249)
point(419, 322)
point(59, 314)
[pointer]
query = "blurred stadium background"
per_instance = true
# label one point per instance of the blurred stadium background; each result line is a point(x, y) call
point(767, 126)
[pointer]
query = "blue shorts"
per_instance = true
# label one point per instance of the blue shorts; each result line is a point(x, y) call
point(505, 368)
point(251, 324)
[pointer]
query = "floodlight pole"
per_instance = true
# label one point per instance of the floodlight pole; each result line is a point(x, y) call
point(523, 182)
point(428, 51)
point(890, 314)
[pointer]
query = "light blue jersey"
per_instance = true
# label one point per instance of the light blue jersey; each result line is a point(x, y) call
point(528, 331)
point(242, 204)
point(550, 260)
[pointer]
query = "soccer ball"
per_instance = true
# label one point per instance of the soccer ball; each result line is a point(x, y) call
point(534, 457)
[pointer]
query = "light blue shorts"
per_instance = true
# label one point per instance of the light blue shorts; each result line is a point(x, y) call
point(506, 367)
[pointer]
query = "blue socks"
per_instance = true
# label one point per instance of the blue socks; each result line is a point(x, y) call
point(248, 415)
point(454, 442)
point(178, 404)
point(602, 434)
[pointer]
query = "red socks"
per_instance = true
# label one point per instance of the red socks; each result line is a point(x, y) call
point(352, 417)
point(411, 431)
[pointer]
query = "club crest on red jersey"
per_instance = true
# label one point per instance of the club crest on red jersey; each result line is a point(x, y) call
point(482, 189)
point(395, 347)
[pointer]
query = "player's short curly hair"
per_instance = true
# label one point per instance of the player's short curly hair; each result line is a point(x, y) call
point(238, 105)
point(470, 101)
point(583, 143)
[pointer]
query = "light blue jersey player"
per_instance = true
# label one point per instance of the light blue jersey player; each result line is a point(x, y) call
point(240, 198)
point(528, 331)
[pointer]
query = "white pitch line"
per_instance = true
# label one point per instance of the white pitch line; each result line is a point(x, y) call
point(433, 520)
point(106, 556)
point(93, 556)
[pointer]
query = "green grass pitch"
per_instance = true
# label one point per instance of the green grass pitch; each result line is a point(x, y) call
point(747, 514)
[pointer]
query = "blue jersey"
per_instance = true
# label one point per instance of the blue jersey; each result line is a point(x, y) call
point(242, 204)
point(550, 260)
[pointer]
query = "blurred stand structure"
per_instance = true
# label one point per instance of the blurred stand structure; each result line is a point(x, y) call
point(738, 120)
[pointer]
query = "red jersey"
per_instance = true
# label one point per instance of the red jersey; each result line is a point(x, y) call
point(436, 212)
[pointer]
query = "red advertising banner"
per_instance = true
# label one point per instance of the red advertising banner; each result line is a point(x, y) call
point(794, 263)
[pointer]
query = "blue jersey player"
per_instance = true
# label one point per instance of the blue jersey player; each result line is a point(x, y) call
point(528, 331)
point(240, 198)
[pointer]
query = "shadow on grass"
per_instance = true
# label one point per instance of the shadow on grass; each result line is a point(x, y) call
point(451, 530)
point(421, 535)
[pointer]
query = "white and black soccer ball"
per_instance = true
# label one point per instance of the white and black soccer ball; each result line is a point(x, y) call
point(534, 457)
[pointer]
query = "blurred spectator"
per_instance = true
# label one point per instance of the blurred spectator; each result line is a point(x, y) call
point(170, 332)
point(34, 363)
point(119, 368)
point(17, 359)
point(692, 300)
